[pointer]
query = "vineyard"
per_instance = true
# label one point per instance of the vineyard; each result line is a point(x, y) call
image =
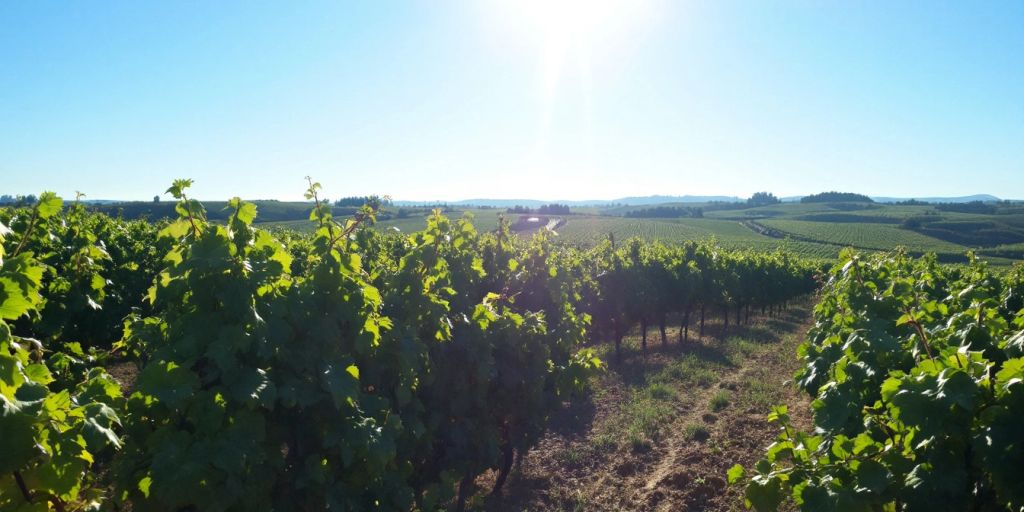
point(347, 368)
point(192, 364)
point(816, 231)
point(864, 235)
point(587, 231)
point(483, 220)
point(917, 375)
point(562, 256)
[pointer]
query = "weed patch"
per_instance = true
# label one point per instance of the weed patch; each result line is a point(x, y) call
point(696, 432)
point(720, 400)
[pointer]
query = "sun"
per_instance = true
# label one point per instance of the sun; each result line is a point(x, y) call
point(577, 46)
point(577, 18)
point(571, 30)
point(571, 34)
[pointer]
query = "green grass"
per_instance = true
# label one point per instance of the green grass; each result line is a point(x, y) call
point(576, 455)
point(654, 403)
point(643, 419)
point(647, 411)
point(605, 442)
point(696, 432)
point(758, 394)
point(689, 371)
point(720, 400)
point(659, 391)
point(739, 348)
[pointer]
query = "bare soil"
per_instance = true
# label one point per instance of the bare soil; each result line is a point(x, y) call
point(125, 372)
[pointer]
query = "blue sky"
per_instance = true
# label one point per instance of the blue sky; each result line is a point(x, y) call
point(564, 99)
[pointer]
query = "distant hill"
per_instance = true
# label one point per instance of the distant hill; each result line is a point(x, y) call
point(497, 203)
point(677, 199)
point(659, 199)
point(630, 201)
point(985, 198)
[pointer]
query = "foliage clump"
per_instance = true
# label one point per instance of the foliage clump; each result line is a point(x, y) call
point(917, 375)
point(836, 197)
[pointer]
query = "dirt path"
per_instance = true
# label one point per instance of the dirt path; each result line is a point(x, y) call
point(659, 432)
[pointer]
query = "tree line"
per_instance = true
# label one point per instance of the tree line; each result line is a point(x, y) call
point(357, 201)
point(836, 197)
point(667, 212)
point(544, 209)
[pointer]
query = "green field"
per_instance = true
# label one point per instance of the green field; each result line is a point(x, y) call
point(589, 230)
point(817, 231)
point(863, 235)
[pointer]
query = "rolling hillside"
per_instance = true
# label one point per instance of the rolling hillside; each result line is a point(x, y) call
point(816, 230)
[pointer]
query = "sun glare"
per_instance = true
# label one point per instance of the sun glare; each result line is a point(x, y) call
point(570, 30)
point(571, 36)
point(573, 17)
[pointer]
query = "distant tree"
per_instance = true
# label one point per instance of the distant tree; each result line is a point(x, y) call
point(836, 197)
point(156, 199)
point(554, 209)
point(666, 212)
point(912, 222)
point(544, 209)
point(6, 199)
point(763, 198)
point(714, 206)
point(971, 207)
point(358, 201)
